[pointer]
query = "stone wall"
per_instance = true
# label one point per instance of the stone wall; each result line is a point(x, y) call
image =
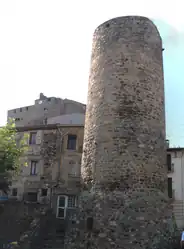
point(54, 149)
point(124, 154)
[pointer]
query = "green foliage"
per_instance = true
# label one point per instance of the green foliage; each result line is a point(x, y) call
point(11, 149)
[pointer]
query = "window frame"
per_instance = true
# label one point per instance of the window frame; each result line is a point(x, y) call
point(33, 163)
point(75, 201)
point(65, 207)
point(42, 191)
point(69, 147)
point(170, 187)
point(16, 191)
point(169, 162)
point(30, 138)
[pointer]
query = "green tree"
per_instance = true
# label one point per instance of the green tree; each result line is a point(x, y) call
point(11, 151)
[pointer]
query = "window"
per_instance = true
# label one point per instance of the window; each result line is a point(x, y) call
point(14, 192)
point(44, 191)
point(169, 162)
point(61, 207)
point(27, 108)
point(17, 119)
point(72, 142)
point(170, 190)
point(32, 138)
point(14, 110)
point(45, 121)
point(20, 109)
point(33, 167)
point(63, 203)
point(71, 201)
point(31, 197)
point(73, 169)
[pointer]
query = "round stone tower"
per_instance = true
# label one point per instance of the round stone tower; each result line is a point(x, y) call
point(124, 200)
point(125, 119)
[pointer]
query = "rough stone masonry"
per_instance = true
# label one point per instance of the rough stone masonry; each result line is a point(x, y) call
point(124, 200)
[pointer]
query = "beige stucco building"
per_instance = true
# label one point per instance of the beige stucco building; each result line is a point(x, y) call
point(53, 158)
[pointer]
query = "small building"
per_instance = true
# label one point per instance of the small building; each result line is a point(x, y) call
point(43, 109)
point(175, 167)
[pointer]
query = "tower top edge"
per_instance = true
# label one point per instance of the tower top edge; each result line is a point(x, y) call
point(131, 19)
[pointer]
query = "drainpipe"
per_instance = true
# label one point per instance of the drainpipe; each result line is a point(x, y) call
point(61, 136)
point(59, 163)
point(60, 157)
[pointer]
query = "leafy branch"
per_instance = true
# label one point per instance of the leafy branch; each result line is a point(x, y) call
point(12, 148)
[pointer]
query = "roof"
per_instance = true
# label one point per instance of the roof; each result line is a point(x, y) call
point(45, 127)
point(174, 149)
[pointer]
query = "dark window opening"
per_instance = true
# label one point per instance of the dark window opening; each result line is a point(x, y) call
point(31, 197)
point(32, 138)
point(71, 162)
point(44, 192)
point(45, 121)
point(17, 119)
point(72, 142)
point(169, 162)
point(33, 168)
point(49, 99)
point(61, 213)
point(20, 109)
point(27, 108)
point(14, 192)
point(89, 223)
point(170, 190)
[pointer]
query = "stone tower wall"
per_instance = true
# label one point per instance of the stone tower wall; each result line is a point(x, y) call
point(125, 120)
point(123, 204)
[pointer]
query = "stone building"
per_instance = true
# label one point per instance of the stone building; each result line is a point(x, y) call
point(43, 109)
point(124, 202)
point(54, 158)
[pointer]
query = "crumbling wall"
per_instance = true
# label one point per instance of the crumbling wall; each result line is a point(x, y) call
point(49, 152)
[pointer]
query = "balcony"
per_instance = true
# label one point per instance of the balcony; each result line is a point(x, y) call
point(32, 184)
point(74, 177)
point(34, 150)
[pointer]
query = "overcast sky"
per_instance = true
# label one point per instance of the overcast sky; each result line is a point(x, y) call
point(45, 47)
